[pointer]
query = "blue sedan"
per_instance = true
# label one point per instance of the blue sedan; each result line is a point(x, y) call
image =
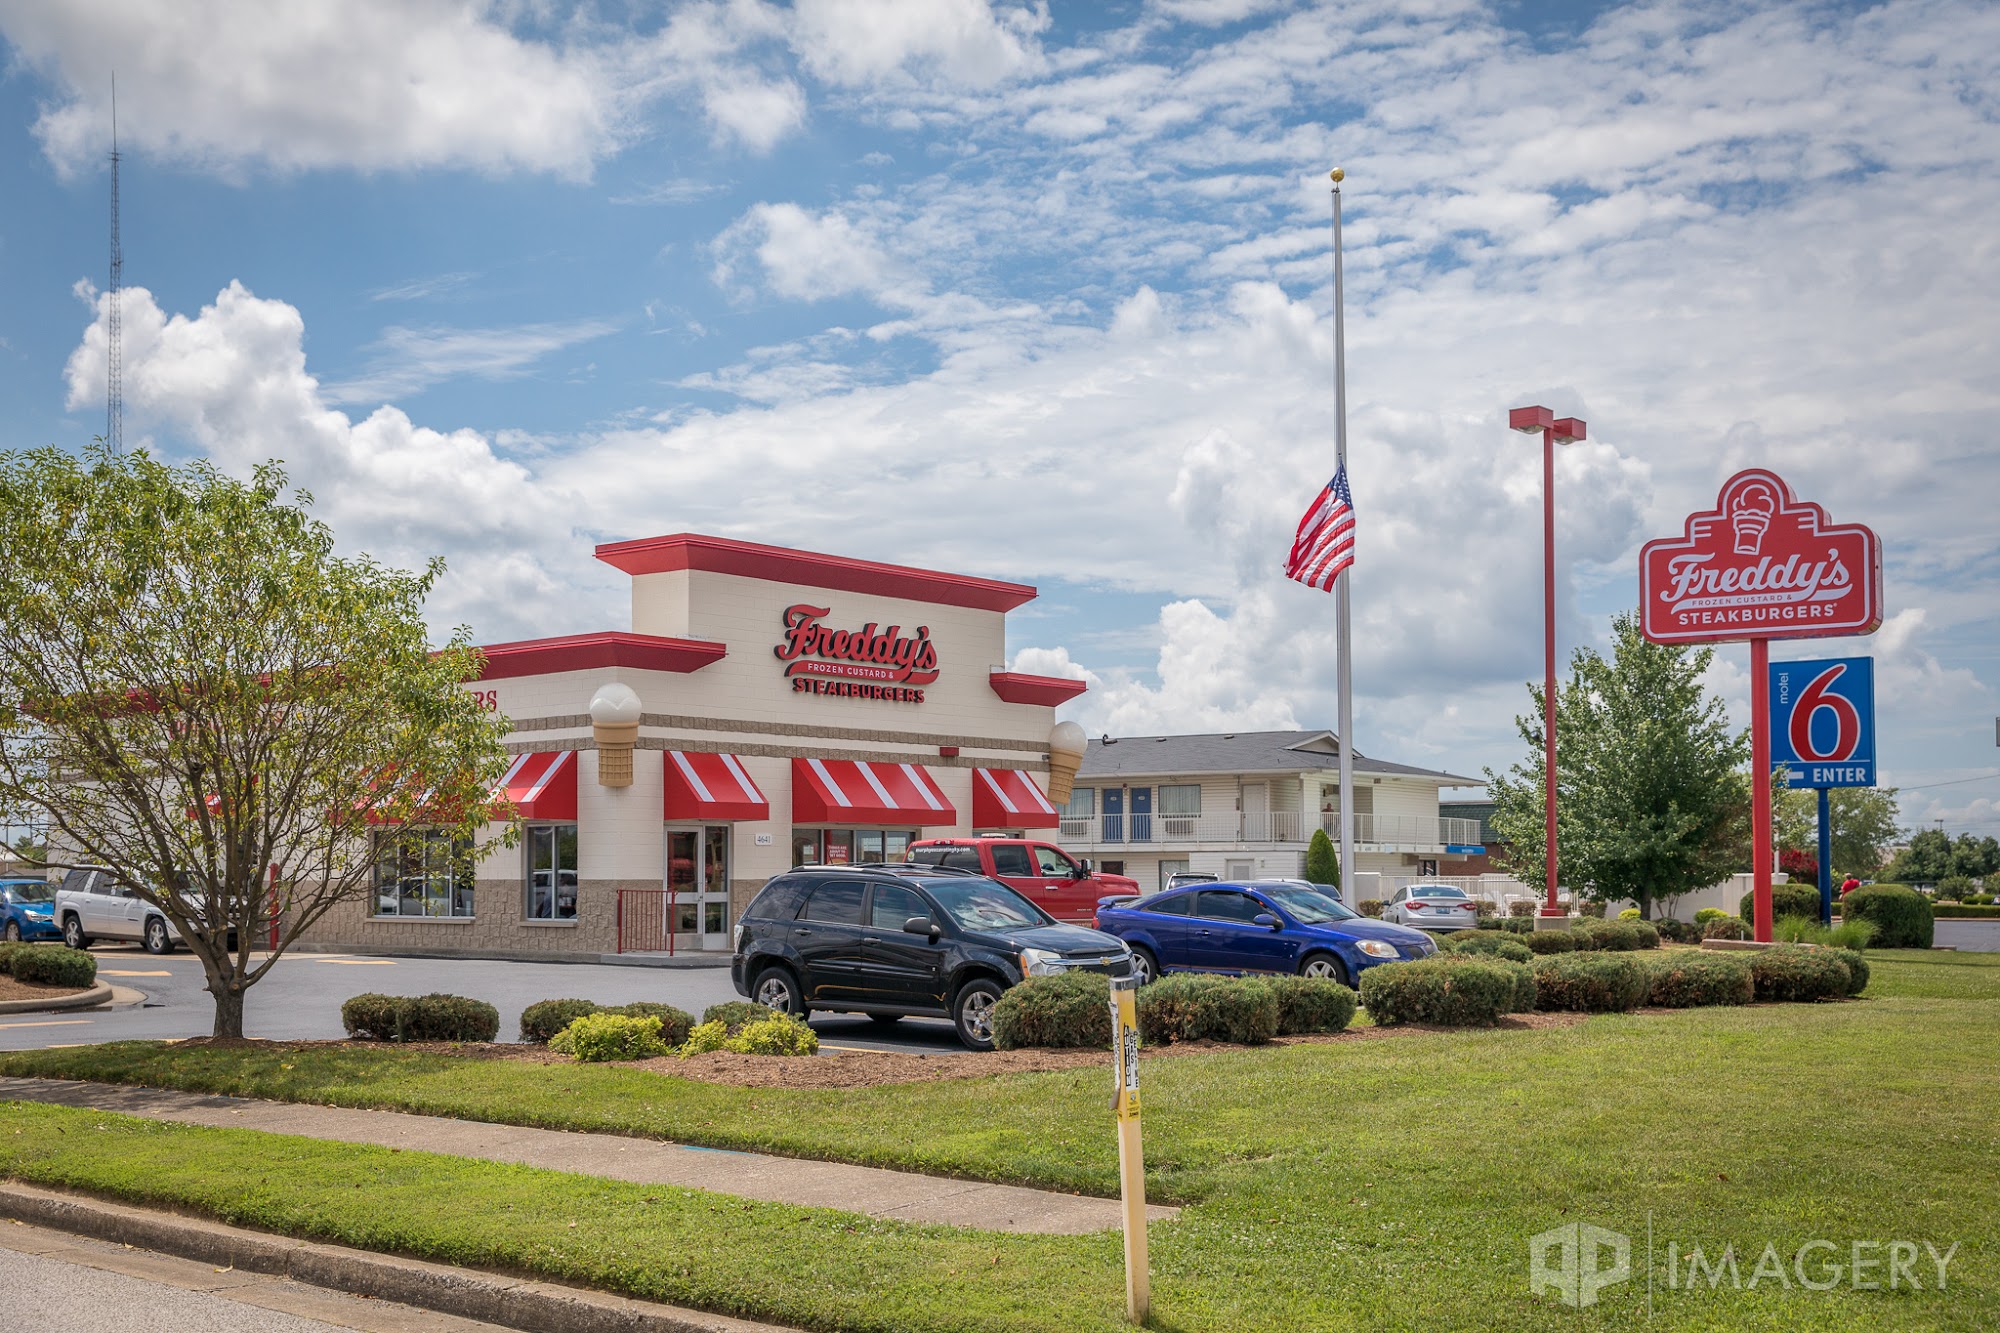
point(27, 910)
point(1241, 928)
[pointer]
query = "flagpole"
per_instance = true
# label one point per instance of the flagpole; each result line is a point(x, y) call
point(1349, 885)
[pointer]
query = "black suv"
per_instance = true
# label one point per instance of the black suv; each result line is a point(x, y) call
point(891, 940)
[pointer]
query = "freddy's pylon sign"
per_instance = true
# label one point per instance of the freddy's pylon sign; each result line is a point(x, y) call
point(1761, 565)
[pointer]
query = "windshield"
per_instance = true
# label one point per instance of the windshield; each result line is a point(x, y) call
point(1308, 906)
point(981, 904)
point(30, 893)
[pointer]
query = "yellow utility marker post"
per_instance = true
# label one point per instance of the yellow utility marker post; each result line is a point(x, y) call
point(1131, 1158)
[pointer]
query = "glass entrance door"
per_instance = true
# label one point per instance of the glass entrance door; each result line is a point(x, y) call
point(697, 883)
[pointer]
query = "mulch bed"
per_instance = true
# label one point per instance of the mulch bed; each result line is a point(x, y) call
point(11, 989)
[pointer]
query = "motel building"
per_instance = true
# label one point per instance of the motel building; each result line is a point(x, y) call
point(767, 708)
point(1242, 805)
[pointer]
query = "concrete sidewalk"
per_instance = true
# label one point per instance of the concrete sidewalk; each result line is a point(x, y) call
point(872, 1191)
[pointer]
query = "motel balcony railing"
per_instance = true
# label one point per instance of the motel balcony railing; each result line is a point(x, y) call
point(1266, 828)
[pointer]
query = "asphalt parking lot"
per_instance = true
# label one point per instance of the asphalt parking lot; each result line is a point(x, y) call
point(301, 998)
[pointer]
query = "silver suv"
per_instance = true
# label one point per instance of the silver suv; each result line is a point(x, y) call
point(91, 905)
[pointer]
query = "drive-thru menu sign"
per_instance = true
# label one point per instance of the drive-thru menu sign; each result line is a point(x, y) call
point(1762, 564)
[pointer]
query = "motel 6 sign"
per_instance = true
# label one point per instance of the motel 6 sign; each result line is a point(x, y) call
point(1761, 565)
point(1823, 722)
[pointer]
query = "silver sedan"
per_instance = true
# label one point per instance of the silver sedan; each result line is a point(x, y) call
point(1432, 907)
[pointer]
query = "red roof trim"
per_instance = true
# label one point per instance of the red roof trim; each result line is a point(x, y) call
point(1048, 691)
point(609, 648)
point(782, 564)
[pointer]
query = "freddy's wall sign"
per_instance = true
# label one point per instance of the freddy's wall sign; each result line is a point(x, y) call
point(1762, 564)
point(865, 663)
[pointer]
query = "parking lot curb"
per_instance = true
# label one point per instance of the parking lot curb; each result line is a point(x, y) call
point(99, 995)
point(686, 960)
point(494, 1298)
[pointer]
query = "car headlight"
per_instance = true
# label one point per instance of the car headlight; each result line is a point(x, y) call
point(1040, 962)
point(1378, 948)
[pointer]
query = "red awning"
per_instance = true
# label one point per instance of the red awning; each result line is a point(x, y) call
point(1009, 798)
point(541, 785)
point(711, 786)
point(849, 791)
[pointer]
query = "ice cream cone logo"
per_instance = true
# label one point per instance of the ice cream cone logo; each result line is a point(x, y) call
point(614, 724)
point(1751, 516)
point(1066, 747)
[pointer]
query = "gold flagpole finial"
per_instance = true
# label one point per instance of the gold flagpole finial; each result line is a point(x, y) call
point(1338, 175)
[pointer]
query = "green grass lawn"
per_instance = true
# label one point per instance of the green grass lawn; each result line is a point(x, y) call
point(1380, 1184)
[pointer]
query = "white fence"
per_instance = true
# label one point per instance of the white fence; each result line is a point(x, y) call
point(1264, 827)
point(1502, 890)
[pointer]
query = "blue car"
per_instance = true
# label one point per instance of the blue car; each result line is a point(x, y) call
point(1245, 928)
point(28, 910)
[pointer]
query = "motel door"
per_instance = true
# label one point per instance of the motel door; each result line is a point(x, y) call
point(697, 882)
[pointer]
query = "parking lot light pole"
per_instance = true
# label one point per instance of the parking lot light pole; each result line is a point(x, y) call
point(1567, 430)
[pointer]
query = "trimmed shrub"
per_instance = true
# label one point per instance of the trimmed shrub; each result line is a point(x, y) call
point(7, 951)
point(1955, 887)
point(595, 1038)
point(1590, 909)
point(1617, 936)
point(1708, 914)
point(1786, 900)
point(1516, 925)
point(1371, 907)
point(1069, 1009)
point(52, 965)
point(1451, 992)
point(674, 1023)
point(1543, 942)
point(1793, 972)
point(1675, 931)
point(733, 1014)
point(436, 1017)
point(1521, 907)
point(1524, 996)
point(1595, 983)
point(1970, 911)
point(1309, 1004)
point(1902, 917)
point(1683, 980)
point(541, 1020)
point(780, 1034)
point(775, 1034)
point(1629, 914)
point(1185, 1006)
point(1977, 900)
point(1857, 969)
point(1476, 942)
point(1726, 928)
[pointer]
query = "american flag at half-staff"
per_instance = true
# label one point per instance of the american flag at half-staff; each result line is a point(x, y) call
point(1325, 542)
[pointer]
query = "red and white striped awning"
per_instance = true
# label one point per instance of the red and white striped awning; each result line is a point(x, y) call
point(540, 785)
point(1007, 798)
point(711, 786)
point(852, 791)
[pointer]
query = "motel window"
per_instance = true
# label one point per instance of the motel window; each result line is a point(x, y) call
point(1076, 811)
point(1180, 806)
point(422, 873)
point(551, 872)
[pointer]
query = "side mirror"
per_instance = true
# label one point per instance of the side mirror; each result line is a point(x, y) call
point(1266, 920)
point(921, 925)
point(1083, 868)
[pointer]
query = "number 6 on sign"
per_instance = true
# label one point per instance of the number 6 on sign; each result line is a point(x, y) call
point(1823, 721)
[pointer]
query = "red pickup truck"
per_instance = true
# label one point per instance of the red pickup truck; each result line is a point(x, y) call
point(1064, 887)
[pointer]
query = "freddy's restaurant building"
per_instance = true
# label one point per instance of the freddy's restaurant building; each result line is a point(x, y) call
point(768, 708)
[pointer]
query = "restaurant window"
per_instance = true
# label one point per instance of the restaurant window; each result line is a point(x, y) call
point(551, 872)
point(422, 873)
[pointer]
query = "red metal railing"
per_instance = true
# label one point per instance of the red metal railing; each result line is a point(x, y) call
point(644, 917)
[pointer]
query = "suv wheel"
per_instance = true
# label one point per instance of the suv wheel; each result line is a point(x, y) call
point(73, 934)
point(776, 988)
point(972, 1012)
point(157, 940)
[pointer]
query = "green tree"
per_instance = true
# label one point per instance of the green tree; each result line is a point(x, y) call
point(1322, 862)
point(195, 692)
point(1863, 818)
point(1648, 776)
point(1926, 860)
point(1974, 857)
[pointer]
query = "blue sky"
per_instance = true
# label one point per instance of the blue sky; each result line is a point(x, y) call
point(1040, 292)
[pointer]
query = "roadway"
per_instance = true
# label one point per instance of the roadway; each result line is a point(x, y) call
point(301, 998)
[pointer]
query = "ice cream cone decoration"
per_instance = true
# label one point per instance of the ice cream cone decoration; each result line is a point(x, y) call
point(1066, 746)
point(614, 722)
